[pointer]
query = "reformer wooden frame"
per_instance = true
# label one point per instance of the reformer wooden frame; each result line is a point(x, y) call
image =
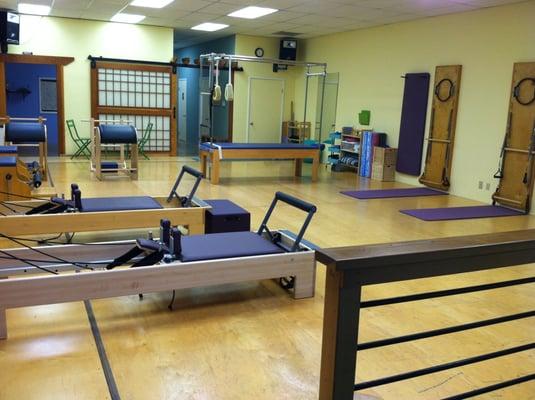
point(517, 169)
point(441, 139)
point(192, 218)
point(215, 157)
point(41, 290)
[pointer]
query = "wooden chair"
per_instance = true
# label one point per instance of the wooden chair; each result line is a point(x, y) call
point(81, 143)
point(144, 140)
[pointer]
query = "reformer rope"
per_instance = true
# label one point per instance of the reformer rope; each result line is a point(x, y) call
point(20, 243)
point(28, 262)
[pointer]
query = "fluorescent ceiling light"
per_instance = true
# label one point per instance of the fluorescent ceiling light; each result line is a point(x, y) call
point(209, 27)
point(151, 3)
point(33, 9)
point(252, 12)
point(127, 18)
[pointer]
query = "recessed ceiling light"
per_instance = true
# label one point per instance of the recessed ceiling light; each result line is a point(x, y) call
point(209, 27)
point(127, 18)
point(151, 3)
point(252, 12)
point(34, 9)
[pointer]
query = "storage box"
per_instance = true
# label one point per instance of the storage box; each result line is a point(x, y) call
point(226, 216)
point(385, 173)
point(384, 155)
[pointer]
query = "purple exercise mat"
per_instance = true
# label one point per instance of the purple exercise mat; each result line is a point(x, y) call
point(391, 193)
point(444, 214)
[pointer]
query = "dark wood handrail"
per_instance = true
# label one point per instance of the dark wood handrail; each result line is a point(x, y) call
point(350, 268)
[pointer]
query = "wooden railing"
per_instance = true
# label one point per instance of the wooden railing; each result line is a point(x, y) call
point(351, 268)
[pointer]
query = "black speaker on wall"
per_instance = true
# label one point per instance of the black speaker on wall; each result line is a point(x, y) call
point(9, 29)
point(288, 49)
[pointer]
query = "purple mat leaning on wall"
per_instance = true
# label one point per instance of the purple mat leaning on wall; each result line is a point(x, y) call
point(412, 127)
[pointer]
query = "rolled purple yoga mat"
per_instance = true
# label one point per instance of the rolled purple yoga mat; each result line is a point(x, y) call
point(453, 213)
point(392, 193)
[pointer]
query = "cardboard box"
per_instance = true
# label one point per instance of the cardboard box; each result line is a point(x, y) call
point(384, 155)
point(384, 173)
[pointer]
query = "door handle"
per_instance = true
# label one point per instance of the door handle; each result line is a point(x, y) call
point(250, 123)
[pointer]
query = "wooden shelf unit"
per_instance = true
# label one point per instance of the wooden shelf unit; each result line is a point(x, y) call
point(350, 150)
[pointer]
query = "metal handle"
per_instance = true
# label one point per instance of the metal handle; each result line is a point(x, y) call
point(192, 171)
point(294, 201)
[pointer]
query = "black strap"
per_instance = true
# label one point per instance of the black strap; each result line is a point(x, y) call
point(133, 252)
point(450, 92)
point(516, 92)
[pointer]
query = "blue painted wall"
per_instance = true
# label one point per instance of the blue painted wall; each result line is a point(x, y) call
point(27, 76)
point(220, 117)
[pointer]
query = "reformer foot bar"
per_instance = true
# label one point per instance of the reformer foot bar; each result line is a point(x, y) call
point(148, 265)
point(79, 214)
point(516, 167)
point(440, 143)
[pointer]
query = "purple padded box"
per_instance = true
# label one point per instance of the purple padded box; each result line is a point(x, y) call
point(226, 216)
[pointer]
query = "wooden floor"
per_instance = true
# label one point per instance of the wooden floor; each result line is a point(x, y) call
point(252, 340)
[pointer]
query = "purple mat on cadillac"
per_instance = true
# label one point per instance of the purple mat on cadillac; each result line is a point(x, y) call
point(444, 214)
point(391, 193)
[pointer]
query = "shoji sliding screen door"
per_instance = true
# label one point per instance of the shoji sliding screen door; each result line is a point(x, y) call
point(140, 93)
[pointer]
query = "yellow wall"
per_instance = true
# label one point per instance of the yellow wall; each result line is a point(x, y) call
point(80, 38)
point(486, 42)
point(246, 45)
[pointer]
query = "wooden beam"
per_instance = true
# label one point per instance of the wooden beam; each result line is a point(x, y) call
point(173, 125)
point(60, 83)
point(158, 112)
point(3, 95)
point(94, 95)
point(3, 324)
point(133, 66)
point(35, 59)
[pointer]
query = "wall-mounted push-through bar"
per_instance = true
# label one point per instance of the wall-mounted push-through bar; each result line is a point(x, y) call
point(516, 168)
point(442, 130)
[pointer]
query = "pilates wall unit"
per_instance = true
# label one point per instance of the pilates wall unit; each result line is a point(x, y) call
point(441, 139)
point(517, 161)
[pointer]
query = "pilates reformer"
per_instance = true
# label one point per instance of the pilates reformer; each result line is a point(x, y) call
point(79, 214)
point(517, 163)
point(148, 265)
point(110, 134)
